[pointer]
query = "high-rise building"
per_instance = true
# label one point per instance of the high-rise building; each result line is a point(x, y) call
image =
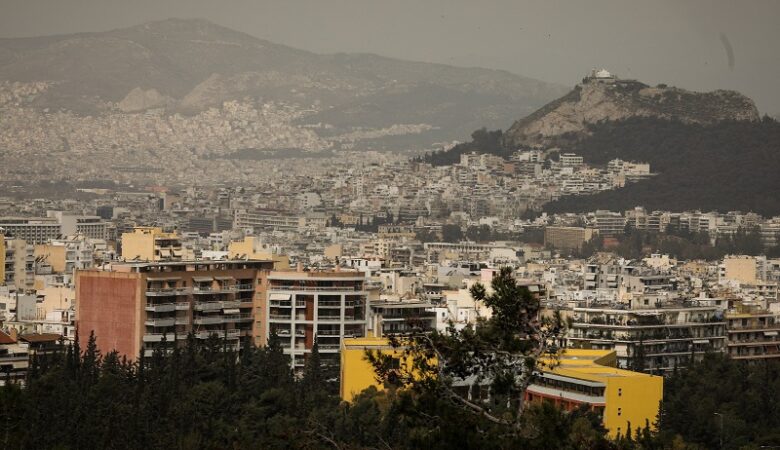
point(130, 306)
point(301, 306)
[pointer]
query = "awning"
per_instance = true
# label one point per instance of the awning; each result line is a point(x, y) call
point(231, 311)
point(224, 278)
point(770, 333)
point(202, 279)
point(279, 297)
point(163, 278)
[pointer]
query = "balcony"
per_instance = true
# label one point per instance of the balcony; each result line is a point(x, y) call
point(162, 307)
point(328, 333)
point(166, 322)
point(329, 346)
point(207, 306)
point(207, 320)
point(245, 287)
point(221, 334)
point(333, 304)
point(182, 306)
point(280, 304)
point(158, 337)
point(243, 318)
point(182, 320)
point(316, 288)
point(330, 318)
point(166, 292)
point(280, 317)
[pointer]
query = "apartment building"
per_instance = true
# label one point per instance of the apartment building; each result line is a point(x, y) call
point(753, 333)
point(14, 359)
point(33, 230)
point(399, 317)
point(266, 220)
point(144, 305)
point(65, 255)
point(151, 244)
point(19, 264)
point(669, 333)
point(301, 306)
point(578, 377)
point(93, 227)
point(567, 238)
point(610, 223)
point(622, 398)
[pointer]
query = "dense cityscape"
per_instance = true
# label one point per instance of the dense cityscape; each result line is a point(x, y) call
point(279, 257)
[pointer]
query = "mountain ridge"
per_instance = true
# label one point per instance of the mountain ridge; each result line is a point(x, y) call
point(175, 56)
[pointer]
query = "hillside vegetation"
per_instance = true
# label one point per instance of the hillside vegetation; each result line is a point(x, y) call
point(725, 167)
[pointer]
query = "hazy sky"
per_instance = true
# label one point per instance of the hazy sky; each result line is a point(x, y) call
point(667, 41)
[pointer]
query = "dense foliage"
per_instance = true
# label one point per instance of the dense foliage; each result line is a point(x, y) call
point(745, 396)
point(482, 141)
point(682, 244)
point(203, 397)
point(730, 166)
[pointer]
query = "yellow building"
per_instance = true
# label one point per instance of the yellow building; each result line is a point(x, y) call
point(252, 248)
point(357, 373)
point(150, 244)
point(53, 254)
point(580, 377)
point(740, 268)
point(622, 397)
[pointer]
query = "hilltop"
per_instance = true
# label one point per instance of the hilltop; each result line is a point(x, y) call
point(603, 97)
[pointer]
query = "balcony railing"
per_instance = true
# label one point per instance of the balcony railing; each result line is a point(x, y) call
point(329, 346)
point(161, 307)
point(328, 333)
point(166, 322)
point(158, 337)
point(317, 288)
point(331, 318)
point(207, 320)
point(245, 287)
point(280, 316)
point(164, 292)
point(207, 306)
point(182, 306)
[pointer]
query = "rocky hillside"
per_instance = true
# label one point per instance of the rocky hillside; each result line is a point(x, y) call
point(607, 98)
point(187, 67)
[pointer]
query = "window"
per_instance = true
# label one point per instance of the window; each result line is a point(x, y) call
point(620, 411)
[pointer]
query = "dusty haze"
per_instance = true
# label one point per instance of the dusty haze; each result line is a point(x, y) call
point(688, 45)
